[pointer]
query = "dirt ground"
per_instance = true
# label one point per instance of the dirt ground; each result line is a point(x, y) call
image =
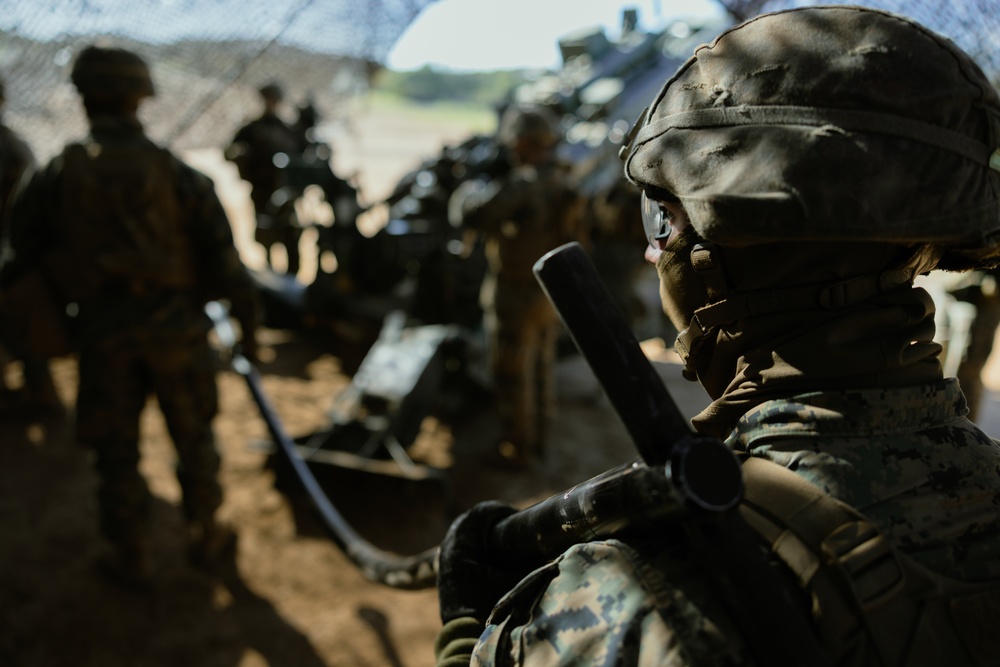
point(289, 597)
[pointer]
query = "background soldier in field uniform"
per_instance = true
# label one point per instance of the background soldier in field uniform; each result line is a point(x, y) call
point(523, 216)
point(135, 242)
point(253, 150)
point(15, 156)
point(16, 164)
point(786, 226)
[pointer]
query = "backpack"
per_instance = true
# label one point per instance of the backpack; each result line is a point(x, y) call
point(122, 230)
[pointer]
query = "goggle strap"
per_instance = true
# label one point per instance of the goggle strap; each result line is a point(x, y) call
point(708, 267)
point(740, 305)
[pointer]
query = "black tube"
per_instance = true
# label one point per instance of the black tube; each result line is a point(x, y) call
point(405, 572)
point(606, 341)
point(634, 498)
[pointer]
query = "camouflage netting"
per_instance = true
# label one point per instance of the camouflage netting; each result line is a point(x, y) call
point(208, 58)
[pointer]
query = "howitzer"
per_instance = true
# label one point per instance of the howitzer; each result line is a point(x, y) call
point(631, 497)
point(377, 565)
point(415, 262)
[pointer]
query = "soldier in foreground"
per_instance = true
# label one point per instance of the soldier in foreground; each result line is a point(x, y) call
point(135, 243)
point(785, 226)
point(530, 211)
point(255, 149)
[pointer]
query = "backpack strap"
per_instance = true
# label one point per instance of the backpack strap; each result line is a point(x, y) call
point(872, 605)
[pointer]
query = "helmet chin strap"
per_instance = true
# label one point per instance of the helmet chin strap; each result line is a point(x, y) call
point(727, 305)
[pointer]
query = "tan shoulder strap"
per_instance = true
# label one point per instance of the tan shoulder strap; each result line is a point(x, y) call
point(872, 605)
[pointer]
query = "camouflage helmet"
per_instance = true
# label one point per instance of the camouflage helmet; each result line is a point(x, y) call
point(528, 122)
point(111, 72)
point(830, 123)
point(271, 91)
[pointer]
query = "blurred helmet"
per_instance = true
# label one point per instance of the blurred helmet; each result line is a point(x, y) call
point(534, 123)
point(271, 91)
point(111, 72)
point(830, 123)
point(308, 115)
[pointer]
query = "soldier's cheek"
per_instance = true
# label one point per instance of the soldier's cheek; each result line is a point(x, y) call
point(653, 255)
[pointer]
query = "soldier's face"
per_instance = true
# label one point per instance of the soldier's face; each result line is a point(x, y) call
point(670, 241)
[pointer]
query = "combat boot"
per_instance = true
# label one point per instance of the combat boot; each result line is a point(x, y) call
point(210, 541)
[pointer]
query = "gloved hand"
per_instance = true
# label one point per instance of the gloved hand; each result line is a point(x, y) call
point(470, 581)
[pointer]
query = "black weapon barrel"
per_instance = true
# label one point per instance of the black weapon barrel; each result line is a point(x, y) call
point(605, 340)
point(632, 499)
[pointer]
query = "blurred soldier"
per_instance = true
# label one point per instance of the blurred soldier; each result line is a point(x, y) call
point(983, 292)
point(311, 165)
point(16, 165)
point(524, 215)
point(612, 237)
point(260, 150)
point(305, 131)
point(873, 492)
point(135, 243)
point(16, 158)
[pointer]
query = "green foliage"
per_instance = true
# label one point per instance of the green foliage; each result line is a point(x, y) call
point(432, 85)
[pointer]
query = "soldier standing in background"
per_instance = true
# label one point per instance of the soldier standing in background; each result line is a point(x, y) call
point(523, 215)
point(984, 294)
point(865, 482)
point(16, 165)
point(260, 150)
point(16, 157)
point(135, 243)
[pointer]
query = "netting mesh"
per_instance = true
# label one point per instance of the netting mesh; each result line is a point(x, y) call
point(210, 56)
point(208, 59)
point(974, 25)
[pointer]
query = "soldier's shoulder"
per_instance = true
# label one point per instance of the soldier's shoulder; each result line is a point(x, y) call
point(610, 603)
point(7, 136)
point(189, 177)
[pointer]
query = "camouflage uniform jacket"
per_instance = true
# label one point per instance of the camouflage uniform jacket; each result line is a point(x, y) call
point(129, 234)
point(15, 160)
point(253, 149)
point(907, 458)
point(532, 211)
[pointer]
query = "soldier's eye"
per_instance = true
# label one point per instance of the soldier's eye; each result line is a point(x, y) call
point(656, 219)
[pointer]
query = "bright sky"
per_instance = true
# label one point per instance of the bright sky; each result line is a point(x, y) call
point(514, 34)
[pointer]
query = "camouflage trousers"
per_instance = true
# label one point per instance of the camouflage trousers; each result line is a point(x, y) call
point(523, 329)
point(117, 375)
